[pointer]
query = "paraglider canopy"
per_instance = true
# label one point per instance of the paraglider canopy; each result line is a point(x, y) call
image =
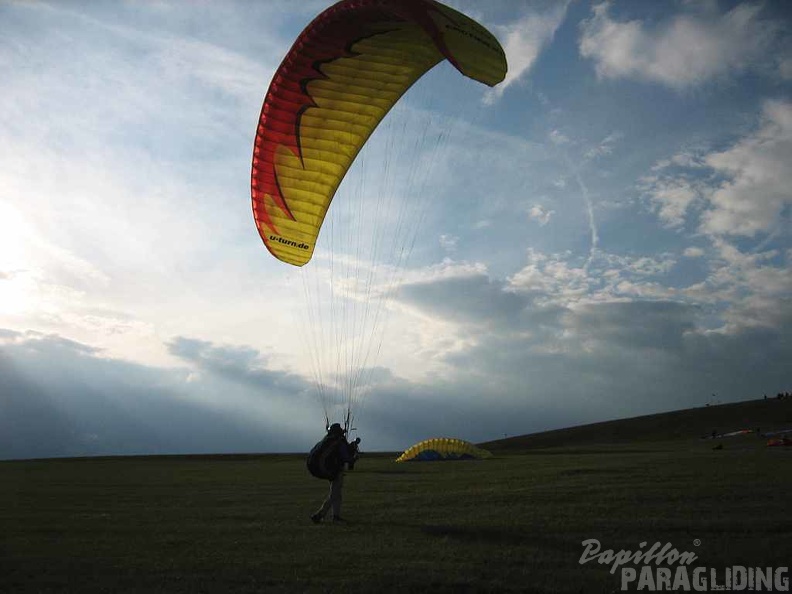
point(443, 448)
point(340, 78)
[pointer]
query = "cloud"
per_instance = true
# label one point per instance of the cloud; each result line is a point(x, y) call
point(741, 191)
point(49, 344)
point(524, 40)
point(448, 242)
point(686, 158)
point(639, 350)
point(469, 297)
point(693, 252)
point(515, 338)
point(757, 176)
point(540, 214)
point(756, 286)
point(239, 364)
point(558, 280)
point(550, 277)
point(558, 138)
point(113, 119)
point(672, 200)
point(553, 345)
point(730, 197)
point(785, 68)
point(605, 147)
point(62, 398)
point(650, 325)
point(689, 50)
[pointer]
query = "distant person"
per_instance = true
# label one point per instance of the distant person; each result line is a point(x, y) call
point(326, 461)
point(354, 452)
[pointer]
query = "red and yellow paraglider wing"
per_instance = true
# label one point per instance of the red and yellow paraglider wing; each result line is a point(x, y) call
point(334, 87)
point(340, 78)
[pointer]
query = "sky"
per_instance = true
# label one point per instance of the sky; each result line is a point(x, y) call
point(605, 234)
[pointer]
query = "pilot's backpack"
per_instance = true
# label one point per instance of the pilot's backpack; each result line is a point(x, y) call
point(323, 460)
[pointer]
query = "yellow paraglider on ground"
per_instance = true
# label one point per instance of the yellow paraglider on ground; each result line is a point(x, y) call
point(443, 448)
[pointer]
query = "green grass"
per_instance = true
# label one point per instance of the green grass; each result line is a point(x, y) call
point(512, 523)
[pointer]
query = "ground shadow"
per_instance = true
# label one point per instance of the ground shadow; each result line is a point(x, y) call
point(385, 471)
point(496, 535)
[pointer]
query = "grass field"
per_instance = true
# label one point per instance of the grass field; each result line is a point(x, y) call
point(512, 523)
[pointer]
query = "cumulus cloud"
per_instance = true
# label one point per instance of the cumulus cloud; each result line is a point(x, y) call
point(549, 276)
point(756, 190)
point(741, 191)
point(672, 200)
point(690, 49)
point(524, 40)
point(468, 295)
point(757, 286)
point(556, 279)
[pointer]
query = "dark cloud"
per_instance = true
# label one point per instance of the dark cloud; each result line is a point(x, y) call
point(657, 325)
point(48, 344)
point(474, 298)
point(7, 334)
point(59, 398)
point(239, 364)
point(596, 361)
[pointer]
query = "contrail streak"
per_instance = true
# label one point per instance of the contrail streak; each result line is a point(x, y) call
point(589, 208)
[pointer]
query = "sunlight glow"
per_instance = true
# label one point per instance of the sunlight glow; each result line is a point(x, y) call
point(15, 235)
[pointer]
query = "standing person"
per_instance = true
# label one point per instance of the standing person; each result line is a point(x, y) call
point(327, 460)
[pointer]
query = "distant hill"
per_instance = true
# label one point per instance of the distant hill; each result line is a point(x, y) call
point(766, 415)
